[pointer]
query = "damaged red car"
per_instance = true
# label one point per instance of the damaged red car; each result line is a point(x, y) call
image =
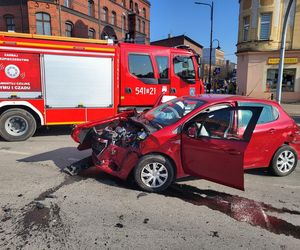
point(207, 136)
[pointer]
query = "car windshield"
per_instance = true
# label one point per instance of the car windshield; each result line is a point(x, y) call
point(172, 111)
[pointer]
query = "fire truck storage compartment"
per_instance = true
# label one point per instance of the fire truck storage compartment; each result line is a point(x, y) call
point(77, 81)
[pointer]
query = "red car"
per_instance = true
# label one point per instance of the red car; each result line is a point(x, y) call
point(208, 136)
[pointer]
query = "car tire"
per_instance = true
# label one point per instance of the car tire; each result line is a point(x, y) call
point(17, 125)
point(154, 173)
point(284, 161)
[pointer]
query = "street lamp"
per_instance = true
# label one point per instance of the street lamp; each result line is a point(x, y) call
point(218, 48)
point(211, 33)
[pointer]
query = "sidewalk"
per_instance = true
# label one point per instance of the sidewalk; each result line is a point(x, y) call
point(293, 110)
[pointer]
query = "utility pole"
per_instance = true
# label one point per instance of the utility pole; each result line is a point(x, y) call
point(211, 34)
point(282, 52)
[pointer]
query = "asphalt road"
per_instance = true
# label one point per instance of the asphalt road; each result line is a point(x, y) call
point(43, 208)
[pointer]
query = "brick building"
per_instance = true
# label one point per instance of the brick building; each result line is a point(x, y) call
point(179, 40)
point(78, 18)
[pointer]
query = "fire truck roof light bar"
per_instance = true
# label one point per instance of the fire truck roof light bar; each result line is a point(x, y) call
point(56, 38)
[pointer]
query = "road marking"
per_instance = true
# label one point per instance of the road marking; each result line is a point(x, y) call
point(13, 152)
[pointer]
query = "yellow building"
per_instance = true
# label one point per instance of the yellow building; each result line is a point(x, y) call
point(260, 27)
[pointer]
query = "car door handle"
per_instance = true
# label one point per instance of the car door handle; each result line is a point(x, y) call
point(271, 131)
point(233, 152)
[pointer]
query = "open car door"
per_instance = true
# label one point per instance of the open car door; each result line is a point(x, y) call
point(213, 144)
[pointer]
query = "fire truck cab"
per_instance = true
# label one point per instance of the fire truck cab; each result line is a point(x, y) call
point(47, 80)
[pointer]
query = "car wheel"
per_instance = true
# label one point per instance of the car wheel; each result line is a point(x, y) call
point(154, 173)
point(17, 125)
point(284, 161)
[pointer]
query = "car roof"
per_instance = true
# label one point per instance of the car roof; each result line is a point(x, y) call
point(212, 98)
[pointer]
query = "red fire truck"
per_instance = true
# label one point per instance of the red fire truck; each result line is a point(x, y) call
point(46, 80)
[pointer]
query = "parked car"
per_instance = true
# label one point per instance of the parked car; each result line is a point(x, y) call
point(208, 136)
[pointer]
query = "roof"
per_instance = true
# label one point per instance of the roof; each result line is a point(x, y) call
point(179, 37)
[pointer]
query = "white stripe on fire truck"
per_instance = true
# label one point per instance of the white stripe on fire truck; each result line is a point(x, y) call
point(57, 51)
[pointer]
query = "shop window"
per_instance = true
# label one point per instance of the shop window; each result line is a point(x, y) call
point(69, 29)
point(141, 66)
point(91, 8)
point(105, 14)
point(265, 26)
point(184, 68)
point(246, 24)
point(288, 80)
point(113, 18)
point(91, 34)
point(10, 23)
point(43, 23)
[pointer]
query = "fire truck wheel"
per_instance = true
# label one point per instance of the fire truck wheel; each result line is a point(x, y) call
point(154, 173)
point(17, 125)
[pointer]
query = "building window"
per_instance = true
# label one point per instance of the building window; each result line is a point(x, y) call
point(144, 13)
point(10, 23)
point(246, 23)
point(123, 24)
point(138, 25)
point(288, 80)
point(67, 3)
point(69, 29)
point(91, 8)
point(143, 27)
point(136, 8)
point(105, 14)
point(123, 3)
point(131, 5)
point(113, 18)
point(43, 23)
point(92, 34)
point(265, 26)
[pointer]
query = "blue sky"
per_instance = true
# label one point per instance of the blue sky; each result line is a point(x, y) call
point(184, 17)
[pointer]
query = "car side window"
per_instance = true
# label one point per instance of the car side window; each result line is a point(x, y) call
point(216, 124)
point(268, 114)
point(219, 122)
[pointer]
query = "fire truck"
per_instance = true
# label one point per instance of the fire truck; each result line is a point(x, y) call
point(47, 80)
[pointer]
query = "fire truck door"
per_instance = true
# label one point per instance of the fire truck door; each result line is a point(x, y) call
point(183, 80)
point(143, 79)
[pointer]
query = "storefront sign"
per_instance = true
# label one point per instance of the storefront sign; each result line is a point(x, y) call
point(287, 60)
point(19, 72)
